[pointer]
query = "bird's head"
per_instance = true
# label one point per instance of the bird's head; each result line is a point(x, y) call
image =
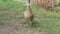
point(28, 4)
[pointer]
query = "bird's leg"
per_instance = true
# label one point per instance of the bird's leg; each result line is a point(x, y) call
point(27, 23)
point(30, 24)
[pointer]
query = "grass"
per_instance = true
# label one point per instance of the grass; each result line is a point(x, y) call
point(46, 21)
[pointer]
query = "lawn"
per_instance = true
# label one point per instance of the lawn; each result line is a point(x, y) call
point(11, 14)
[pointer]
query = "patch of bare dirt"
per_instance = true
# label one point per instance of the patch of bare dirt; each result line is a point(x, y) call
point(19, 29)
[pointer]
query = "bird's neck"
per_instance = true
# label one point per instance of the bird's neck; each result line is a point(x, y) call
point(28, 7)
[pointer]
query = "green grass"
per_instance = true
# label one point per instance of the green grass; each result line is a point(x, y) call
point(47, 21)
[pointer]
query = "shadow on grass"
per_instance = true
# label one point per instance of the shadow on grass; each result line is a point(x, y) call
point(1, 23)
point(35, 23)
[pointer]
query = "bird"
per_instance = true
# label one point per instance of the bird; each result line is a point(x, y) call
point(28, 15)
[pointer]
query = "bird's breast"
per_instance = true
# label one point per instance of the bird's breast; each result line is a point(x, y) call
point(28, 14)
